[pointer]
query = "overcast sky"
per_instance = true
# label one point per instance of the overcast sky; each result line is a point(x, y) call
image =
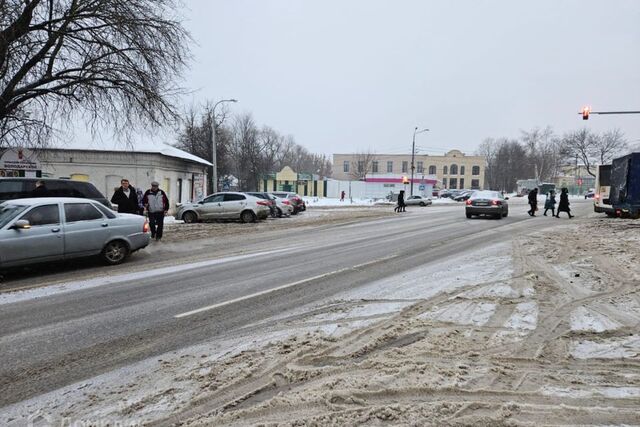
point(347, 75)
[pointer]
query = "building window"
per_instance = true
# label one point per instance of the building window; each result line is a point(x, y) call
point(389, 167)
point(475, 183)
point(445, 171)
point(461, 170)
point(374, 166)
point(360, 166)
point(453, 170)
point(432, 170)
point(461, 182)
point(345, 166)
point(405, 166)
point(420, 167)
point(444, 182)
point(475, 170)
point(453, 183)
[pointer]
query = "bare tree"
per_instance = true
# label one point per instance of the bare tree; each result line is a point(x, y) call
point(116, 62)
point(609, 145)
point(580, 145)
point(361, 164)
point(543, 152)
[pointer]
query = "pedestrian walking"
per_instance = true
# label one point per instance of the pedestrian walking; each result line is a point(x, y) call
point(125, 197)
point(563, 206)
point(401, 207)
point(140, 196)
point(533, 202)
point(157, 204)
point(550, 203)
point(40, 190)
point(342, 194)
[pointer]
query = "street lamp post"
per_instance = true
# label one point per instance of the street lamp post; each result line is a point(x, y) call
point(214, 174)
point(413, 153)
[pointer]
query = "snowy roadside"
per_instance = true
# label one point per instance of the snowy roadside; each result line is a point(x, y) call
point(542, 329)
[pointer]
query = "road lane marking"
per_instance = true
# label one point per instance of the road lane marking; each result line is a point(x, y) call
point(279, 288)
point(78, 285)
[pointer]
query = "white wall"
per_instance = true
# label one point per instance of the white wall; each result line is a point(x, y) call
point(372, 190)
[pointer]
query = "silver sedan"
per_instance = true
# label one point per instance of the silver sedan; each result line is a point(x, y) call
point(59, 228)
point(417, 201)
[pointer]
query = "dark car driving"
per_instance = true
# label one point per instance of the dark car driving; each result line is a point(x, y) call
point(489, 203)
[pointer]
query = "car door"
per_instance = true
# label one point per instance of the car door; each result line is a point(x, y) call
point(41, 242)
point(86, 229)
point(234, 204)
point(211, 207)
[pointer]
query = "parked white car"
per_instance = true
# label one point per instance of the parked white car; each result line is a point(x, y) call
point(227, 205)
point(57, 228)
point(284, 206)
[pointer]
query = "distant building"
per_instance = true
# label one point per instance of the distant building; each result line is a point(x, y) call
point(454, 170)
point(305, 184)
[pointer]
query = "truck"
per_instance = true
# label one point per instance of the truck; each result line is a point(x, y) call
point(625, 185)
point(601, 200)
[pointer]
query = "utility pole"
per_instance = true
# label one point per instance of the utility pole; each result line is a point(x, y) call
point(214, 174)
point(413, 154)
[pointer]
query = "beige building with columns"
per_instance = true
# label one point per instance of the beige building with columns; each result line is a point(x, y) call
point(454, 170)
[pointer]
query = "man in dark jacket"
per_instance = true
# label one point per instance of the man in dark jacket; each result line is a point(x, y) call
point(125, 197)
point(533, 202)
point(40, 190)
point(157, 204)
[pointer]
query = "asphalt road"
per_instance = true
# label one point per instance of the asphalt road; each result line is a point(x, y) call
point(55, 340)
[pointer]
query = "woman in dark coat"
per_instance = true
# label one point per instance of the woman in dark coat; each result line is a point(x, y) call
point(563, 206)
point(550, 203)
point(401, 206)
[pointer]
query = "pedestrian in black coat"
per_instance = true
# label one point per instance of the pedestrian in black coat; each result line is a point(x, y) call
point(126, 198)
point(401, 205)
point(533, 202)
point(563, 206)
point(550, 203)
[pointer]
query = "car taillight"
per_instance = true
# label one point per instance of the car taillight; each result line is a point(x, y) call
point(145, 227)
point(263, 202)
point(596, 196)
point(496, 202)
point(469, 202)
point(286, 202)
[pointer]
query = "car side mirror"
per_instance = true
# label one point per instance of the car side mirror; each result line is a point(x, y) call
point(21, 224)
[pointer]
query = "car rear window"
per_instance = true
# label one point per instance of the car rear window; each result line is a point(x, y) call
point(106, 211)
point(10, 189)
point(233, 197)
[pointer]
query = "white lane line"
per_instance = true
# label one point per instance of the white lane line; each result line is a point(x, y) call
point(78, 285)
point(278, 288)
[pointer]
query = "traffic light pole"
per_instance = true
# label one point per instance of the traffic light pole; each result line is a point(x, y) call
point(585, 112)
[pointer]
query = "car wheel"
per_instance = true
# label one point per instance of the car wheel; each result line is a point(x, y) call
point(499, 216)
point(279, 212)
point(189, 217)
point(115, 252)
point(247, 216)
point(504, 215)
point(422, 204)
point(469, 215)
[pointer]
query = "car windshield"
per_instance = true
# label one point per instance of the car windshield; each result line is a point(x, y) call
point(486, 195)
point(9, 212)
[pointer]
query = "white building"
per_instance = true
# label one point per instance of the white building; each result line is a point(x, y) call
point(181, 175)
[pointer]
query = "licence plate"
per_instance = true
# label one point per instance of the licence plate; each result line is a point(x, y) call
point(481, 204)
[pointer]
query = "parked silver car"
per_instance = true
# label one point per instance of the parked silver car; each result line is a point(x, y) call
point(227, 205)
point(57, 228)
point(284, 206)
point(417, 201)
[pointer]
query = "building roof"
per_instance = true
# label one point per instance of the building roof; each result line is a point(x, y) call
point(135, 147)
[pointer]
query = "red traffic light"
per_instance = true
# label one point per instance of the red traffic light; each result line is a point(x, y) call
point(405, 180)
point(585, 113)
